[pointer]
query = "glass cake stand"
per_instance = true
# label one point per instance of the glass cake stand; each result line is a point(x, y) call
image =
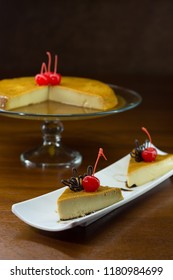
point(52, 152)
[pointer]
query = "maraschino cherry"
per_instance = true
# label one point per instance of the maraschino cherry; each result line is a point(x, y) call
point(91, 183)
point(41, 79)
point(148, 154)
point(46, 77)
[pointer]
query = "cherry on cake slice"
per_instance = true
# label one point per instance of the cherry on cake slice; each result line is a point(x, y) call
point(146, 164)
point(140, 173)
point(84, 194)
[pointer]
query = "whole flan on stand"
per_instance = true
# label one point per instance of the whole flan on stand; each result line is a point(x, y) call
point(48, 85)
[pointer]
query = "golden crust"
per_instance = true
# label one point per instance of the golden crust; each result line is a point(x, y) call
point(69, 194)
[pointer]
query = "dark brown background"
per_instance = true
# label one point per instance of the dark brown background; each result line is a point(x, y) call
point(98, 39)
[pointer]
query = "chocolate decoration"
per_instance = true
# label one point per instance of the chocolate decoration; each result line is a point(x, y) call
point(137, 152)
point(75, 182)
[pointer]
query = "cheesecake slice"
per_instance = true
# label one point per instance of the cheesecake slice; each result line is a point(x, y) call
point(87, 93)
point(78, 204)
point(142, 172)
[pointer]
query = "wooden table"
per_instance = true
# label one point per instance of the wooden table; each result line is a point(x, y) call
point(141, 230)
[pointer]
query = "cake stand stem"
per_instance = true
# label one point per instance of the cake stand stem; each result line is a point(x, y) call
point(52, 152)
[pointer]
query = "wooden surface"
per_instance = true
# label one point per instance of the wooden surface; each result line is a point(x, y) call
point(141, 230)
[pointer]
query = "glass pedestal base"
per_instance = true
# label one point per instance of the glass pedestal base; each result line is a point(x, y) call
point(51, 153)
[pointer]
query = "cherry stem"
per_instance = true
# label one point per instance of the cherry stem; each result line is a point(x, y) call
point(49, 60)
point(100, 153)
point(55, 64)
point(43, 68)
point(146, 131)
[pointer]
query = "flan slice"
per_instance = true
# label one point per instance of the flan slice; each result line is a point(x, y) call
point(142, 172)
point(88, 93)
point(78, 204)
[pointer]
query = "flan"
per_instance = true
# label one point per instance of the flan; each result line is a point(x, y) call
point(72, 204)
point(83, 92)
point(142, 172)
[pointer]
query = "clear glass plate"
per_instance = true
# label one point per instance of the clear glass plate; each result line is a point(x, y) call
point(52, 153)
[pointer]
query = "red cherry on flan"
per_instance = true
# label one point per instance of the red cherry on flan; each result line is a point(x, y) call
point(90, 183)
point(46, 77)
point(149, 154)
point(41, 80)
point(54, 79)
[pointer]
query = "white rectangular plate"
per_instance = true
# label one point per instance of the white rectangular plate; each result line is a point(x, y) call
point(40, 212)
